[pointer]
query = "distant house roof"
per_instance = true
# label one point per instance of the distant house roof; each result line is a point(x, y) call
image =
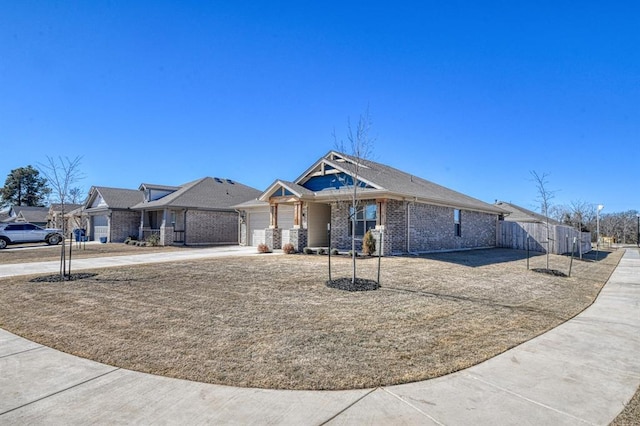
point(376, 180)
point(206, 193)
point(113, 198)
point(28, 214)
point(520, 214)
point(56, 207)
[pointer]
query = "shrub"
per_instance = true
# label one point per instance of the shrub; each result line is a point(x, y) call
point(288, 248)
point(321, 251)
point(307, 250)
point(368, 244)
point(263, 248)
point(153, 240)
point(335, 252)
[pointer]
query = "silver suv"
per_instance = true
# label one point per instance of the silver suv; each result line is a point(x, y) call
point(13, 233)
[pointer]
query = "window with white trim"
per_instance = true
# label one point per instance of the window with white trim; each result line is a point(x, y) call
point(365, 219)
point(456, 223)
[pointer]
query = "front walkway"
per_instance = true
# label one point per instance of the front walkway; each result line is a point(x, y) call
point(582, 372)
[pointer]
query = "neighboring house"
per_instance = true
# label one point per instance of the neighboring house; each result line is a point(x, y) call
point(525, 229)
point(196, 213)
point(72, 216)
point(35, 215)
point(109, 214)
point(413, 214)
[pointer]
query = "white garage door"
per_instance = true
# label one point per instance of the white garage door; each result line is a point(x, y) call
point(285, 221)
point(258, 222)
point(100, 227)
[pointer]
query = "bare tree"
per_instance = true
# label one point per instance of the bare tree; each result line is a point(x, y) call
point(75, 195)
point(359, 146)
point(61, 175)
point(545, 195)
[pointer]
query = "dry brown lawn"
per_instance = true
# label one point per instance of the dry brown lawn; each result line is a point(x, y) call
point(271, 322)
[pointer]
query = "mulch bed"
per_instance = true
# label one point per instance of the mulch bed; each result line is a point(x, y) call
point(57, 278)
point(360, 284)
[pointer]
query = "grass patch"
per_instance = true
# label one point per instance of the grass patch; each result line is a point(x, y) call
point(272, 322)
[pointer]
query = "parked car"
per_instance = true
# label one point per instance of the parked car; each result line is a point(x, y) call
point(13, 233)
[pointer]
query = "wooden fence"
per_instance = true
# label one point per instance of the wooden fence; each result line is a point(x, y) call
point(517, 235)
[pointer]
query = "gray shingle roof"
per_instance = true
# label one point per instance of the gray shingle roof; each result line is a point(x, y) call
point(56, 207)
point(397, 182)
point(206, 193)
point(32, 214)
point(520, 214)
point(118, 198)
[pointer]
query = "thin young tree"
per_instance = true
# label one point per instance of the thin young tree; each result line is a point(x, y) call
point(545, 195)
point(359, 146)
point(62, 174)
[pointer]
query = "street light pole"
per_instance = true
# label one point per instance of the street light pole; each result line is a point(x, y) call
point(638, 232)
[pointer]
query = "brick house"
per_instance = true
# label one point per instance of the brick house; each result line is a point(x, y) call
point(31, 214)
point(196, 213)
point(413, 214)
point(72, 218)
point(109, 214)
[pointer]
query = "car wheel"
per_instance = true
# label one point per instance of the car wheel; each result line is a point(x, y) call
point(54, 239)
point(3, 243)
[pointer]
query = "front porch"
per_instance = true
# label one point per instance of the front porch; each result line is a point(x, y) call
point(165, 225)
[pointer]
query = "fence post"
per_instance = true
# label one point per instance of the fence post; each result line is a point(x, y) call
point(527, 252)
point(573, 249)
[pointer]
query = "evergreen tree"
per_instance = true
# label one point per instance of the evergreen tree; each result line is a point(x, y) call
point(24, 187)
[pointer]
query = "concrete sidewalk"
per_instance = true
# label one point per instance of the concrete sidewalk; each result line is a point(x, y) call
point(582, 372)
point(127, 260)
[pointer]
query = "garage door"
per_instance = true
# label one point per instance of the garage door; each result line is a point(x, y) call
point(100, 227)
point(258, 222)
point(285, 221)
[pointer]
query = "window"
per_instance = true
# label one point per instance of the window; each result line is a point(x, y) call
point(366, 218)
point(456, 223)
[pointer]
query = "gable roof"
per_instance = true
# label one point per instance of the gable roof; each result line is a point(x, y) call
point(205, 193)
point(114, 198)
point(27, 214)
point(291, 187)
point(382, 180)
point(520, 214)
point(57, 207)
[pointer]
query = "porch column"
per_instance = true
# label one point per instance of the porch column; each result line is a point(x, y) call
point(141, 229)
point(298, 211)
point(381, 218)
point(273, 213)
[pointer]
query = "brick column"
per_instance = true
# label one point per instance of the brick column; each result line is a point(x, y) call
point(273, 238)
point(298, 237)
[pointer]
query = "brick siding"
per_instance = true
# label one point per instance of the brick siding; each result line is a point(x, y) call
point(123, 223)
point(431, 228)
point(211, 227)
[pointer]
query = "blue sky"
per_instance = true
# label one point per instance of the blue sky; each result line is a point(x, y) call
point(470, 95)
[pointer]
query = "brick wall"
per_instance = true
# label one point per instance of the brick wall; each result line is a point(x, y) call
point(123, 223)
point(432, 228)
point(207, 227)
